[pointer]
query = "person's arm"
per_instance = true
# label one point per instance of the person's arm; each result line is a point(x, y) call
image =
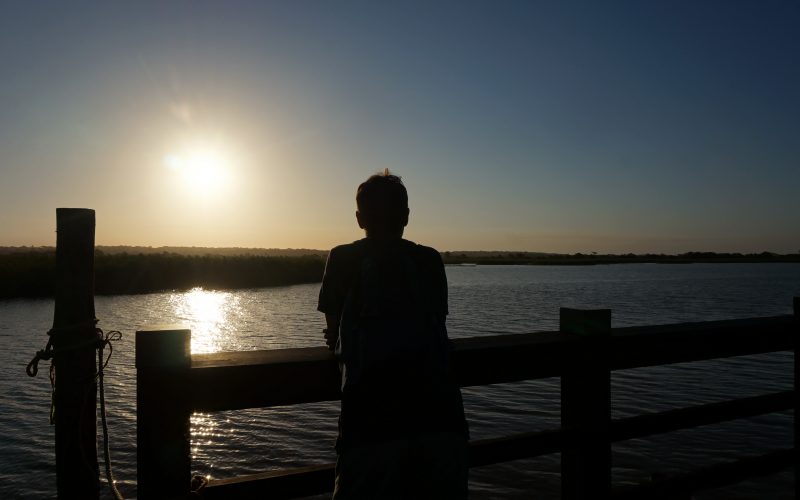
point(331, 298)
point(332, 331)
point(440, 278)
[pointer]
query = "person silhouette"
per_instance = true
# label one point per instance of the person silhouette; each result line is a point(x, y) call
point(402, 430)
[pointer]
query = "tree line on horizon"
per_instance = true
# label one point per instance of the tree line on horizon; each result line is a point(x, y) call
point(537, 258)
point(298, 252)
point(31, 273)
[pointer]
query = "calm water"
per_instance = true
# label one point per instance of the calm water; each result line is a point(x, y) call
point(483, 300)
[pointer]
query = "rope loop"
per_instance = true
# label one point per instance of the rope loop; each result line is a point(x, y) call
point(44, 354)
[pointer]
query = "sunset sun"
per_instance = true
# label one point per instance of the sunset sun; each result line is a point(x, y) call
point(200, 170)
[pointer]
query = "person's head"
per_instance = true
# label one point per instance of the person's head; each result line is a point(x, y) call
point(382, 202)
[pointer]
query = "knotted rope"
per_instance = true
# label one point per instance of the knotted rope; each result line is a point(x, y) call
point(47, 353)
point(99, 343)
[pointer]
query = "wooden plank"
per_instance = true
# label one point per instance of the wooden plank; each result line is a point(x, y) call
point(261, 357)
point(636, 347)
point(274, 485)
point(684, 418)
point(230, 381)
point(515, 447)
point(237, 380)
point(250, 379)
point(511, 358)
point(712, 476)
point(317, 479)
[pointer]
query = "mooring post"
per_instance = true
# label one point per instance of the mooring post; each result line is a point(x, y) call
point(74, 342)
point(586, 406)
point(163, 460)
point(796, 416)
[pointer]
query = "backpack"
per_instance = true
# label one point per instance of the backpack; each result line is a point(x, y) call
point(391, 336)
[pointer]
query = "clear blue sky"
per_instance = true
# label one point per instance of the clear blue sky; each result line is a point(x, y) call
point(545, 126)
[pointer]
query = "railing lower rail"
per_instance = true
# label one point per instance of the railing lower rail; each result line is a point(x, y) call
point(172, 383)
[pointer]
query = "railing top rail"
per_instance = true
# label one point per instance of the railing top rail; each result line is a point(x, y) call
point(676, 333)
point(225, 381)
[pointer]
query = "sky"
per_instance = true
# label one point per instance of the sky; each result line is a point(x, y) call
point(546, 126)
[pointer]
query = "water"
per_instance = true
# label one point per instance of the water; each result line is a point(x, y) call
point(483, 300)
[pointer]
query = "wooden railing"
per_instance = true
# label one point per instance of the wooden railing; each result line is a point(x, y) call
point(172, 383)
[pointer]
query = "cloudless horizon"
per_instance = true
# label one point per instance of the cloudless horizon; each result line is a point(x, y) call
point(565, 127)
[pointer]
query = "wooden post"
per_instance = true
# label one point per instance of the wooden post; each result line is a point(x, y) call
point(163, 460)
point(586, 407)
point(796, 416)
point(74, 345)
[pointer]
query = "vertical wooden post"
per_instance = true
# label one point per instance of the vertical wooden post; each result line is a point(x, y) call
point(796, 416)
point(74, 345)
point(586, 407)
point(163, 460)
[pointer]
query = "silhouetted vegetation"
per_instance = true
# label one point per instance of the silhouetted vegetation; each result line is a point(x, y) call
point(204, 251)
point(31, 273)
point(27, 273)
point(593, 258)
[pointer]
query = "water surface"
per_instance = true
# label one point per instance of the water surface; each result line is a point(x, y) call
point(483, 300)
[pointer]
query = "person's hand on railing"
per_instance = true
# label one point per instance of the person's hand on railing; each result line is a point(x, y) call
point(330, 337)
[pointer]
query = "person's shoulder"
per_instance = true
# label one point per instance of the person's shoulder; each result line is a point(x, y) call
point(425, 252)
point(347, 251)
point(348, 248)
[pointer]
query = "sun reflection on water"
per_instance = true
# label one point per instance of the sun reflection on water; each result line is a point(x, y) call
point(209, 314)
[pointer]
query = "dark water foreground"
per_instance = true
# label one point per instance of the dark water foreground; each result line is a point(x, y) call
point(484, 300)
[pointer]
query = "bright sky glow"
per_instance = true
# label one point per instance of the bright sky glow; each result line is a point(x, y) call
point(201, 171)
point(545, 126)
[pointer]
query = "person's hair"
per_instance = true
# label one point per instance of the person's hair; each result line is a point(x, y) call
point(382, 201)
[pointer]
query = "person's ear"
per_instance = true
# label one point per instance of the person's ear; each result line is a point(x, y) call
point(358, 218)
point(405, 219)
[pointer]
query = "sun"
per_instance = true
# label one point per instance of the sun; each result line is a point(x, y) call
point(201, 170)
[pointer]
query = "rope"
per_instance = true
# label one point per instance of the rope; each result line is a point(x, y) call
point(74, 327)
point(43, 354)
point(99, 343)
point(47, 353)
point(197, 485)
point(105, 340)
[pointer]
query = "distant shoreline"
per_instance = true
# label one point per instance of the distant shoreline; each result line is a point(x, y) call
point(30, 272)
point(591, 260)
point(450, 256)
